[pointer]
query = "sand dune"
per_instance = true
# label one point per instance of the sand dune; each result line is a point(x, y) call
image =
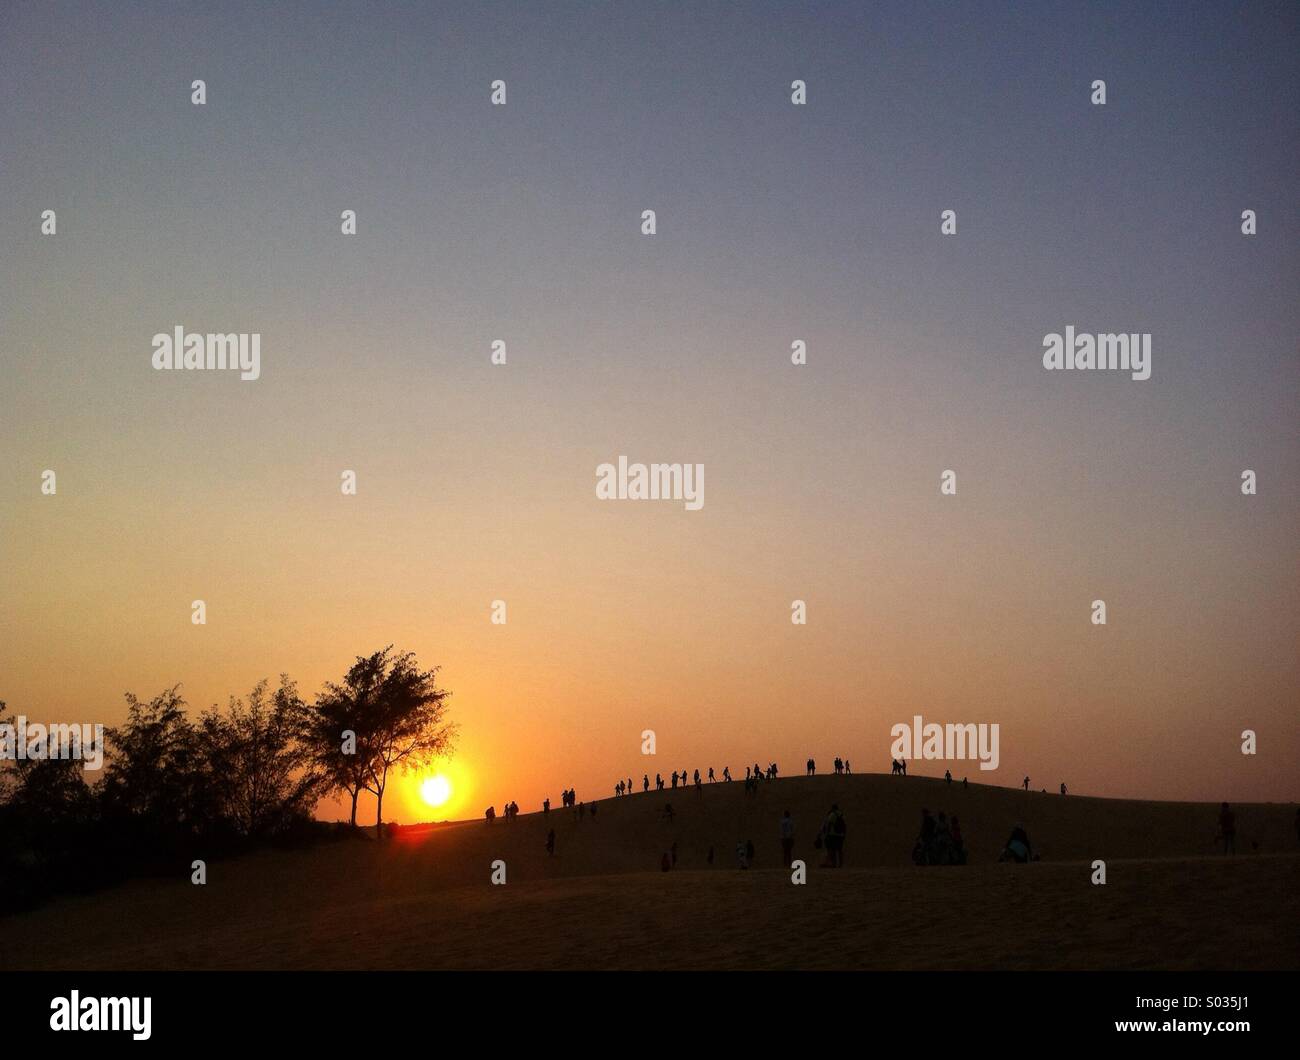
point(423, 899)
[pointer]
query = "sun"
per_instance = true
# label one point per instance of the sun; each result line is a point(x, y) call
point(436, 790)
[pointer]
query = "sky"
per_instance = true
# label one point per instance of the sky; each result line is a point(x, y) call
point(774, 223)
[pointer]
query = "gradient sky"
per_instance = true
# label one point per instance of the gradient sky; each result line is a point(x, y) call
point(776, 222)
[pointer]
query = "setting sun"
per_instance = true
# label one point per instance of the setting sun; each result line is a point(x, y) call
point(436, 790)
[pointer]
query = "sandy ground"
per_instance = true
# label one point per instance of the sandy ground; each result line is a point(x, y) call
point(424, 900)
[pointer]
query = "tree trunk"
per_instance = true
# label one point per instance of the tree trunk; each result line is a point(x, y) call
point(379, 813)
point(355, 793)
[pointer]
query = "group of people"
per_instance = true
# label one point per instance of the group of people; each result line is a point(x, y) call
point(509, 811)
point(1025, 784)
point(841, 765)
point(681, 779)
point(940, 841)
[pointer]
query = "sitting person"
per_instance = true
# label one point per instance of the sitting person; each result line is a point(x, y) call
point(1018, 848)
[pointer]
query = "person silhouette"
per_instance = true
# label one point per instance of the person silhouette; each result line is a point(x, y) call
point(1026, 783)
point(645, 782)
point(712, 778)
point(546, 805)
point(902, 766)
point(834, 831)
point(659, 782)
point(812, 767)
point(1228, 829)
point(1063, 787)
point(947, 776)
point(674, 778)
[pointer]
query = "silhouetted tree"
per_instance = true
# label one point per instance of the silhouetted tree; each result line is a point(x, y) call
point(255, 756)
point(47, 819)
point(399, 719)
point(340, 726)
point(154, 778)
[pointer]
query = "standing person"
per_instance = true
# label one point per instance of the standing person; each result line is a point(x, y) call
point(546, 805)
point(835, 831)
point(1026, 783)
point(812, 767)
point(947, 776)
point(712, 778)
point(902, 766)
point(726, 774)
point(1063, 787)
point(645, 781)
point(787, 839)
point(1228, 829)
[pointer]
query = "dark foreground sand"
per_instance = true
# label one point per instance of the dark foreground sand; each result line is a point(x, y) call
point(423, 899)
